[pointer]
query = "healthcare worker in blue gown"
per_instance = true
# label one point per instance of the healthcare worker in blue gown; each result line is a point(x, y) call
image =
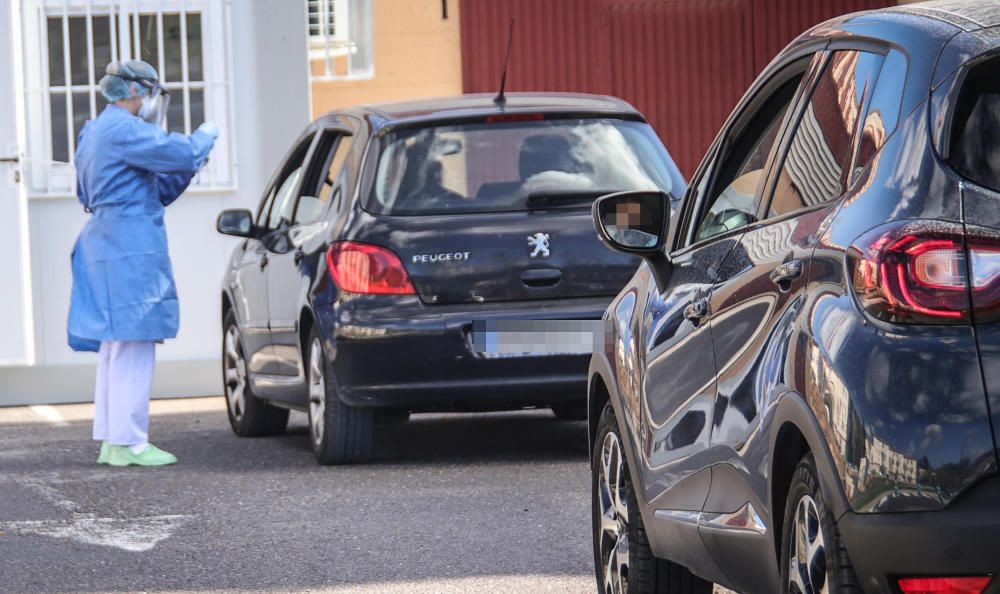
point(124, 300)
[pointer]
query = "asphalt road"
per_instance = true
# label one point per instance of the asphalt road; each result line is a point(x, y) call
point(451, 503)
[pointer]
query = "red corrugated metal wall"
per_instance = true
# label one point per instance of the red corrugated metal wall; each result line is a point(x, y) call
point(683, 63)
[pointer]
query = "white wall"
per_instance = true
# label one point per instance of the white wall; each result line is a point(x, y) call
point(270, 78)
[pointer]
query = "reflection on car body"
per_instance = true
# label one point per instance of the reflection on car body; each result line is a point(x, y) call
point(816, 343)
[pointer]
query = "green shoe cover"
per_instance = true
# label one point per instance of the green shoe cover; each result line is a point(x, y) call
point(102, 458)
point(151, 456)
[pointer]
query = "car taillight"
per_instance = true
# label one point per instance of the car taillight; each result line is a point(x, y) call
point(944, 585)
point(984, 270)
point(366, 268)
point(918, 272)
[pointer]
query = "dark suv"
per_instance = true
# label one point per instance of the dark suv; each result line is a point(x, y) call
point(390, 231)
point(801, 383)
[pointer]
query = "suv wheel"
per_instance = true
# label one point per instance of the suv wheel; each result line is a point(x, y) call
point(813, 557)
point(339, 433)
point(623, 559)
point(249, 416)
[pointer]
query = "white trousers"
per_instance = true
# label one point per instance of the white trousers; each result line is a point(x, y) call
point(124, 383)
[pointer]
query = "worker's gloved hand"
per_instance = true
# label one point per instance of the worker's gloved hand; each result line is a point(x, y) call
point(209, 128)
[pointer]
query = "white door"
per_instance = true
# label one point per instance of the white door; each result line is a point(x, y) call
point(16, 323)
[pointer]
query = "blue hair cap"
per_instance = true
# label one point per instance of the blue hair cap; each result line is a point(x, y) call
point(123, 80)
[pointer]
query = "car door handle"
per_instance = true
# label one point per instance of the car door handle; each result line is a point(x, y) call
point(696, 310)
point(784, 274)
point(263, 261)
point(544, 277)
point(299, 254)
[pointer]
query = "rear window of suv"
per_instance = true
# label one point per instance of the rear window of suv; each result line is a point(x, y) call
point(975, 152)
point(502, 166)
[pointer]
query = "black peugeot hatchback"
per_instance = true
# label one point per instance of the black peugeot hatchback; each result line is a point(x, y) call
point(390, 231)
point(801, 389)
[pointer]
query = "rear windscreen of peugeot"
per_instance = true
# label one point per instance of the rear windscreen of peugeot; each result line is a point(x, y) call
point(515, 163)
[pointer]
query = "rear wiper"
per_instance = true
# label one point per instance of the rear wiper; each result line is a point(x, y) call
point(542, 199)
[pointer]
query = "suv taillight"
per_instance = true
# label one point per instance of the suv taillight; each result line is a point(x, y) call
point(918, 272)
point(368, 269)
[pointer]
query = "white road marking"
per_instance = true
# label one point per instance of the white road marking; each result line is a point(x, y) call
point(50, 493)
point(128, 534)
point(134, 535)
point(50, 414)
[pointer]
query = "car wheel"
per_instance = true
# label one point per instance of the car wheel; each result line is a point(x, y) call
point(623, 559)
point(813, 557)
point(249, 416)
point(340, 434)
point(574, 411)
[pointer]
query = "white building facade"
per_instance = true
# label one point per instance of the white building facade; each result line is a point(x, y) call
point(240, 63)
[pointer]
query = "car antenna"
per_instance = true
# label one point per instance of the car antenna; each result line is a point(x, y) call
point(501, 98)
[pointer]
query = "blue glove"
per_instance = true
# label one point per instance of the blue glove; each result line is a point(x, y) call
point(209, 128)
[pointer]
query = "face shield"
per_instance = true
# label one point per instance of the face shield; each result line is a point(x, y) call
point(155, 104)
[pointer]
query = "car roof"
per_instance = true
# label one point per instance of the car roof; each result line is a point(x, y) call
point(925, 30)
point(964, 14)
point(478, 105)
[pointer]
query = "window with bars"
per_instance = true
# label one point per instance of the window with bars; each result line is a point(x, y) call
point(340, 39)
point(185, 40)
point(170, 43)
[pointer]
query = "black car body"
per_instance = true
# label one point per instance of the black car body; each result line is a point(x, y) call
point(805, 379)
point(389, 230)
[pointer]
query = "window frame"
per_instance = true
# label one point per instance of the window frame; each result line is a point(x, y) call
point(793, 128)
point(48, 178)
point(307, 139)
point(353, 41)
point(318, 167)
point(695, 201)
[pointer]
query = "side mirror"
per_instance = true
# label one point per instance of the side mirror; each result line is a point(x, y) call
point(633, 222)
point(237, 222)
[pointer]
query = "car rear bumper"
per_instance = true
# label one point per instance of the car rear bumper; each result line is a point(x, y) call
point(398, 352)
point(963, 539)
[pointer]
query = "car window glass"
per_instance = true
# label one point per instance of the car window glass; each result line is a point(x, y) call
point(882, 113)
point(329, 185)
point(284, 201)
point(975, 152)
point(742, 172)
point(265, 208)
point(516, 164)
point(815, 165)
point(284, 190)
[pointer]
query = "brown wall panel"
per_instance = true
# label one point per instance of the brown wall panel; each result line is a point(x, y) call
point(683, 63)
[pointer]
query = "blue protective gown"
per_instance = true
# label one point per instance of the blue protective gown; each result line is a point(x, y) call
point(128, 170)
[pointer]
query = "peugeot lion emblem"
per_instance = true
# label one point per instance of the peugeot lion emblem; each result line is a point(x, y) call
point(539, 244)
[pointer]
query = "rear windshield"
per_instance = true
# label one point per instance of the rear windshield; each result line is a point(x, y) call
point(975, 152)
point(519, 165)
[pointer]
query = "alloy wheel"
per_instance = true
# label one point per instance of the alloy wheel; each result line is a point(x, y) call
point(317, 392)
point(807, 562)
point(235, 370)
point(611, 497)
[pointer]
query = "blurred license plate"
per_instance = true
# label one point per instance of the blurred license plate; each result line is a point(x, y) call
point(495, 339)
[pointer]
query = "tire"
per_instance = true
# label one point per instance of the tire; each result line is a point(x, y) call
point(644, 573)
point(819, 563)
point(249, 416)
point(339, 434)
point(571, 411)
